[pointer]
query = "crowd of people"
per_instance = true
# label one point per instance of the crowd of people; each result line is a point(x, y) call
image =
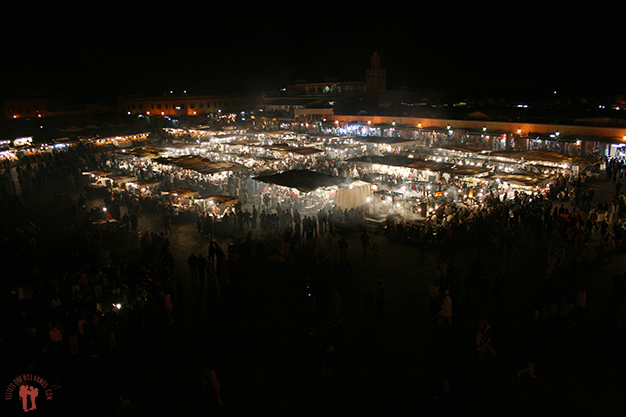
point(79, 306)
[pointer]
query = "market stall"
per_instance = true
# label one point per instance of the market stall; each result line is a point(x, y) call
point(355, 195)
point(201, 165)
point(308, 189)
point(144, 187)
point(303, 180)
point(99, 181)
point(182, 203)
point(120, 181)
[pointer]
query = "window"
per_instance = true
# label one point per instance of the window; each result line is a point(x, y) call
point(133, 106)
point(159, 106)
point(152, 106)
point(192, 105)
point(201, 105)
point(166, 106)
point(141, 107)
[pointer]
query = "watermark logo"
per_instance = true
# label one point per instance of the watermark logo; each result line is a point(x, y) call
point(30, 390)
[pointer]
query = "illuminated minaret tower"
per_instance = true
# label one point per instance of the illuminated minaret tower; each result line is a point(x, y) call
point(375, 78)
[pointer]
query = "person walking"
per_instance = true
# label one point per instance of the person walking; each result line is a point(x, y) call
point(255, 216)
point(483, 338)
point(201, 267)
point(434, 301)
point(192, 261)
point(211, 258)
point(134, 223)
point(610, 213)
point(364, 241)
point(167, 223)
point(212, 392)
point(446, 309)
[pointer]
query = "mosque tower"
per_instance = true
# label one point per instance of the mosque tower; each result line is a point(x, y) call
point(375, 78)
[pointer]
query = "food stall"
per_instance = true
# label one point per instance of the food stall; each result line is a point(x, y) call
point(215, 204)
point(120, 181)
point(144, 187)
point(98, 181)
point(182, 203)
point(312, 190)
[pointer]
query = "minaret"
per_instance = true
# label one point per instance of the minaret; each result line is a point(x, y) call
point(375, 78)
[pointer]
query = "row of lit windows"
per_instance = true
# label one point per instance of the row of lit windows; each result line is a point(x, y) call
point(200, 105)
point(334, 88)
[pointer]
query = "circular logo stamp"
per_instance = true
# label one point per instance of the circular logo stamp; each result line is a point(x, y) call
point(30, 390)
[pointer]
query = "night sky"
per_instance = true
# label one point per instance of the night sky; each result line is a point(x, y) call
point(101, 52)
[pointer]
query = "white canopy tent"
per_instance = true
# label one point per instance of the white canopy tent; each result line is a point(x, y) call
point(354, 195)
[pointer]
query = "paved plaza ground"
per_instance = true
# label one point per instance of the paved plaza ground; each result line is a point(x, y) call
point(256, 337)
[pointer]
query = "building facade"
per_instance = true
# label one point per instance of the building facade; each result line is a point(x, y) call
point(187, 105)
